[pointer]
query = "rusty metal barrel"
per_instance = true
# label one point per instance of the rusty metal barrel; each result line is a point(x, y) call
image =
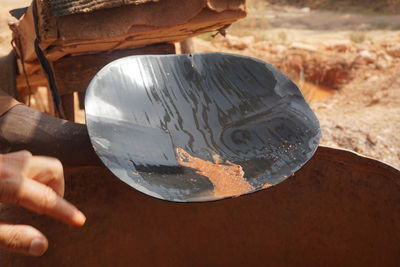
point(339, 209)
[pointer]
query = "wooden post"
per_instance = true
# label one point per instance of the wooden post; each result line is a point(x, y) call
point(67, 102)
point(187, 46)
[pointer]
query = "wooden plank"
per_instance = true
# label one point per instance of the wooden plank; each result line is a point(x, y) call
point(205, 23)
point(36, 79)
point(81, 99)
point(68, 105)
point(25, 33)
point(30, 67)
point(128, 20)
point(123, 21)
point(8, 74)
point(75, 73)
point(68, 7)
point(47, 24)
point(126, 27)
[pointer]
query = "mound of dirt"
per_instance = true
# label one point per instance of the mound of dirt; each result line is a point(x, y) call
point(363, 114)
point(330, 64)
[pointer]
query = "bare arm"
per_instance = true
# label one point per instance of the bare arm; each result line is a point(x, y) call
point(25, 128)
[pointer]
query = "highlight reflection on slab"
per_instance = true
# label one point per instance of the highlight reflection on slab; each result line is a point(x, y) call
point(170, 125)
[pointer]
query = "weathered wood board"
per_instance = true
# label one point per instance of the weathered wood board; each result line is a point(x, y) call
point(73, 74)
point(131, 25)
point(79, 37)
point(65, 7)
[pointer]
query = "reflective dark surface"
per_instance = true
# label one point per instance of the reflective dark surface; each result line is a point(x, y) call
point(228, 110)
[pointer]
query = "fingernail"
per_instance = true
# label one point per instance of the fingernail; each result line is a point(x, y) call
point(38, 247)
point(79, 218)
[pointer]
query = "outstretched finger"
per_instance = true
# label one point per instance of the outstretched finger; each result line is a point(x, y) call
point(46, 170)
point(39, 198)
point(22, 239)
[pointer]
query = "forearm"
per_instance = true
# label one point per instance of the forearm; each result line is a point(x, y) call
point(25, 128)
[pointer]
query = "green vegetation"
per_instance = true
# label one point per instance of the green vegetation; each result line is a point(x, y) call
point(357, 37)
point(282, 36)
point(209, 36)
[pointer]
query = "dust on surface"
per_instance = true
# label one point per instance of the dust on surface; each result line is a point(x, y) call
point(226, 177)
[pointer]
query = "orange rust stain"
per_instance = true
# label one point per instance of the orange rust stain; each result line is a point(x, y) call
point(227, 178)
point(266, 186)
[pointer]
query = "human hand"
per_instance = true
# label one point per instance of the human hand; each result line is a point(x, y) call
point(35, 183)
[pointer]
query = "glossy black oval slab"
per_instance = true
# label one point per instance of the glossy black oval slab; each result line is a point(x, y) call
point(238, 110)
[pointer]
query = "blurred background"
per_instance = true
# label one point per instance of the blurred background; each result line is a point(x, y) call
point(344, 55)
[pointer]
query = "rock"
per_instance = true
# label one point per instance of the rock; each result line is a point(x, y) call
point(248, 40)
point(371, 139)
point(305, 10)
point(303, 46)
point(373, 78)
point(278, 49)
point(383, 54)
point(367, 57)
point(340, 46)
point(239, 43)
point(262, 45)
point(394, 50)
point(382, 64)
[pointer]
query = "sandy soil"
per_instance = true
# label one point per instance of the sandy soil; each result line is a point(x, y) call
point(356, 54)
point(305, 18)
point(360, 58)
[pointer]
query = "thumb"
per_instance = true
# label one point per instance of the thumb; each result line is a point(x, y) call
point(22, 239)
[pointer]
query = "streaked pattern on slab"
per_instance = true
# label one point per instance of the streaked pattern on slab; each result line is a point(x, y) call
point(141, 109)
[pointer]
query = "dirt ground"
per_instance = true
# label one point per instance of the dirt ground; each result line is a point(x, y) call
point(347, 65)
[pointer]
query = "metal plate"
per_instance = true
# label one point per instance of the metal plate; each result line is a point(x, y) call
point(199, 127)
